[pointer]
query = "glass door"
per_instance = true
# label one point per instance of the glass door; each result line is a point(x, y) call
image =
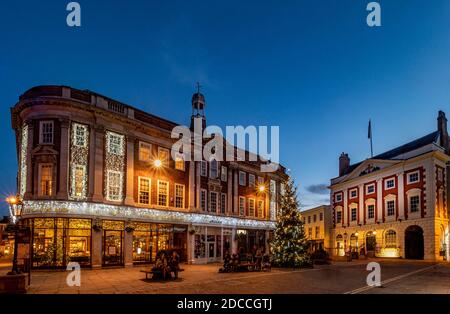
point(211, 251)
point(112, 248)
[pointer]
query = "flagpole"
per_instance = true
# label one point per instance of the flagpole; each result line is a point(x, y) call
point(370, 137)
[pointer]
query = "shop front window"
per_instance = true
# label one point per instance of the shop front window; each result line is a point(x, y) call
point(200, 246)
point(113, 242)
point(143, 244)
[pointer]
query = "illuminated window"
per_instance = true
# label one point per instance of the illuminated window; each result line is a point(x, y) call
point(213, 202)
point(223, 203)
point(414, 202)
point(241, 205)
point(114, 185)
point(163, 155)
point(46, 134)
point(115, 143)
point(242, 178)
point(145, 151)
point(80, 135)
point(179, 162)
point(46, 179)
point(203, 199)
point(390, 239)
point(163, 193)
point(79, 178)
point(144, 190)
point(261, 209)
point(251, 207)
point(251, 180)
point(179, 195)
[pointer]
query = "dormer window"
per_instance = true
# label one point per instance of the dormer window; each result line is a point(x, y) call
point(46, 132)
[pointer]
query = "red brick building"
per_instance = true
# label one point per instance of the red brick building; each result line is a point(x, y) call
point(101, 188)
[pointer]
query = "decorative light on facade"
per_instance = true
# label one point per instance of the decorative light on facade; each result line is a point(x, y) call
point(157, 163)
point(23, 161)
point(85, 209)
point(79, 159)
point(114, 166)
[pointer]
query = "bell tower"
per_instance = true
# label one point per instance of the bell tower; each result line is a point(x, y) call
point(198, 108)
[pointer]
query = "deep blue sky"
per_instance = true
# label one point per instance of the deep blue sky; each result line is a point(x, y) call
point(312, 67)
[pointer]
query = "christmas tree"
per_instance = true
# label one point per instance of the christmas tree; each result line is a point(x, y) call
point(289, 245)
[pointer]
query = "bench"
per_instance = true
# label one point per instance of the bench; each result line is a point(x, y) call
point(155, 272)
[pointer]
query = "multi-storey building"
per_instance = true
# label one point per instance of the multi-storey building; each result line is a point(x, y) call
point(395, 204)
point(317, 225)
point(101, 187)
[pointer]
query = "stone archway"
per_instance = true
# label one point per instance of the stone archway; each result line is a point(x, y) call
point(414, 243)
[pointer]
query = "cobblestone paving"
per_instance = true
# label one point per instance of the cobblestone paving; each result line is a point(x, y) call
point(198, 279)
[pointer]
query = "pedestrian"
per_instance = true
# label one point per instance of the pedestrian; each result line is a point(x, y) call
point(175, 263)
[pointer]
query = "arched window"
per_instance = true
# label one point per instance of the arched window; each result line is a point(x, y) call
point(390, 239)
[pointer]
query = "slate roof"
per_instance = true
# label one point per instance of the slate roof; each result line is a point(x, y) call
point(420, 142)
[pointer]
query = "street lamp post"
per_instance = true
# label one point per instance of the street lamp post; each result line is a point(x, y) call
point(15, 210)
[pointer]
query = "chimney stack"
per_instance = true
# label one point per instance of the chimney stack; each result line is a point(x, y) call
point(442, 128)
point(344, 163)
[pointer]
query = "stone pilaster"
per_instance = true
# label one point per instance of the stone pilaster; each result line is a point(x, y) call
point(29, 185)
point(128, 248)
point(98, 165)
point(229, 192)
point(96, 250)
point(401, 197)
point(129, 170)
point(191, 185)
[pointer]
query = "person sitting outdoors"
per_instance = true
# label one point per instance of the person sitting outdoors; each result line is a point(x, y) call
point(227, 262)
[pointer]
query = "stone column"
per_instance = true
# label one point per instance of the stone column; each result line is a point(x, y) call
point(361, 205)
point(233, 241)
point(98, 166)
point(64, 160)
point(229, 191)
point(129, 197)
point(128, 248)
point(191, 185)
point(97, 248)
point(29, 185)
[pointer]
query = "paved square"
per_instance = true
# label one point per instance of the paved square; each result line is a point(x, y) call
point(400, 277)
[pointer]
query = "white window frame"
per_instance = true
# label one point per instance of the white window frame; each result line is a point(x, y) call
point(148, 146)
point(368, 204)
point(367, 189)
point(339, 221)
point(356, 193)
point(390, 201)
point(203, 202)
point(408, 177)
point(224, 173)
point(251, 201)
point(242, 178)
point(338, 195)
point(251, 180)
point(76, 136)
point(223, 203)
point(353, 207)
point(203, 168)
point(260, 209)
point(52, 189)
point(386, 184)
point(149, 190)
point(388, 198)
point(179, 160)
point(109, 196)
point(183, 190)
point(216, 167)
point(120, 149)
point(211, 208)
point(158, 194)
point(414, 193)
point(166, 151)
point(242, 206)
point(41, 132)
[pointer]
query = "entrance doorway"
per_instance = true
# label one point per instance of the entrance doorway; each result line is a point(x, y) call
point(414, 248)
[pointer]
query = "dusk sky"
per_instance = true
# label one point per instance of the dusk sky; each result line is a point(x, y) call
point(312, 67)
